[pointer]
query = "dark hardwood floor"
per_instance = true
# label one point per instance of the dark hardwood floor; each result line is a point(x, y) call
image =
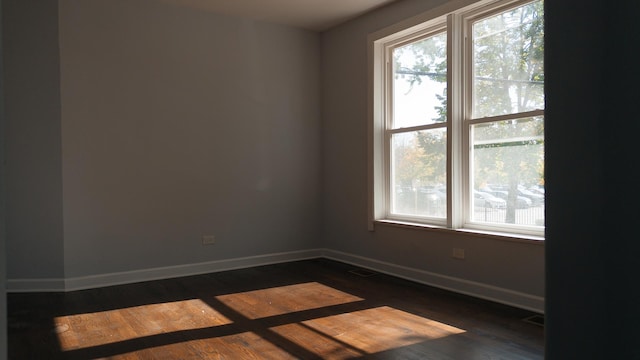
point(313, 309)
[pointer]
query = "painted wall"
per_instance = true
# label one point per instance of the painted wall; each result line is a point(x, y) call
point(508, 265)
point(178, 123)
point(139, 126)
point(33, 144)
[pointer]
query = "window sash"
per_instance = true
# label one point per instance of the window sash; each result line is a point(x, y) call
point(457, 25)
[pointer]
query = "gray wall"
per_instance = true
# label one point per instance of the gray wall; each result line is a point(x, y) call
point(33, 148)
point(509, 265)
point(139, 126)
point(178, 123)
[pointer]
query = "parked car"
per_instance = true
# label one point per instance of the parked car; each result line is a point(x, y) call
point(536, 199)
point(521, 201)
point(484, 199)
point(537, 189)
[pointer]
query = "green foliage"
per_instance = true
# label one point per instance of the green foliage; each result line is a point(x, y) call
point(434, 146)
point(428, 58)
point(508, 75)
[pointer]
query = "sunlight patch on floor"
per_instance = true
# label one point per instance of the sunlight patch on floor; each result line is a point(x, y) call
point(106, 327)
point(363, 332)
point(155, 328)
point(246, 345)
point(285, 299)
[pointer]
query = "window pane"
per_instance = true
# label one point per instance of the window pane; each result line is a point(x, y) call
point(419, 83)
point(508, 172)
point(508, 62)
point(418, 173)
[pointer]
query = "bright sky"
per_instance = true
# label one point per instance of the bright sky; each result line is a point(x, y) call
point(414, 105)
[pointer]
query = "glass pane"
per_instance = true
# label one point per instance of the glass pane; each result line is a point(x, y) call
point(508, 51)
point(508, 172)
point(418, 173)
point(419, 83)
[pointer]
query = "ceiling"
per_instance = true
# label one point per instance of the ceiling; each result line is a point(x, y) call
point(315, 15)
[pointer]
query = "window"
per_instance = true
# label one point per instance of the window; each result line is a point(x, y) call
point(458, 119)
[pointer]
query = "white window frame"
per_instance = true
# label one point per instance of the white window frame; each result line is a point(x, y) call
point(453, 17)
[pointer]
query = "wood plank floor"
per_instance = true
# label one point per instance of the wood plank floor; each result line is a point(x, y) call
point(312, 309)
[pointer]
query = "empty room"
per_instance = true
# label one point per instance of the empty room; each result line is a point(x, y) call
point(284, 179)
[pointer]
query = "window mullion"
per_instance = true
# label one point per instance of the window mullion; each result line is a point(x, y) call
point(466, 131)
point(455, 96)
point(388, 123)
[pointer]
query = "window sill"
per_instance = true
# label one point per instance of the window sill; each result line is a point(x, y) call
point(520, 238)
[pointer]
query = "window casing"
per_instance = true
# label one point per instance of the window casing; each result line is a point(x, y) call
point(457, 119)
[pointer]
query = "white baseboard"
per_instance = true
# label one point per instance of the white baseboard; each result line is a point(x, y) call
point(458, 285)
point(476, 289)
point(128, 277)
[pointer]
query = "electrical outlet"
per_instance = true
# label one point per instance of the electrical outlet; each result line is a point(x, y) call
point(208, 239)
point(458, 253)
